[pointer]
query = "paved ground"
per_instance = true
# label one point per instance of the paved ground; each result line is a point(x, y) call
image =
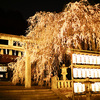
point(39, 94)
point(10, 92)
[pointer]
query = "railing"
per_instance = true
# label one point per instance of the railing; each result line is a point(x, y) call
point(56, 83)
point(64, 84)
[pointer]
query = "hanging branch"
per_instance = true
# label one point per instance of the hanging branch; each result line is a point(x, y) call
point(78, 26)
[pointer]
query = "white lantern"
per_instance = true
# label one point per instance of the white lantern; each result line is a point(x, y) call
point(79, 73)
point(97, 86)
point(98, 60)
point(83, 87)
point(83, 60)
point(75, 87)
point(92, 73)
point(75, 72)
point(87, 72)
point(83, 73)
point(92, 87)
point(80, 87)
point(91, 60)
point(99, 72)
point(74, 58)
point(95, 70)
point(78, 58)
point(87, 59)
point(95, 58)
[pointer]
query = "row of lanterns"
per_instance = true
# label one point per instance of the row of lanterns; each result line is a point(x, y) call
point(85, 59)
point(84, 73)
point(79, 87)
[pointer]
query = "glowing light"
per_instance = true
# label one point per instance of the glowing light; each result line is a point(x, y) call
point(99, 72)
point(95, 59)
point(85, 59)
point(95, 71)
point(75, 71)
point(74, 57)
point(79, 87)
point(98, 60)
point(96, 86)
point(1, 75)
point(92, 73)
point(79, 73)
point(83, 73)
point(78, 58)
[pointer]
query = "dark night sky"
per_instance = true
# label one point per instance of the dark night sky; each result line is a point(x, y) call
point(29, 7)
point(13, 13)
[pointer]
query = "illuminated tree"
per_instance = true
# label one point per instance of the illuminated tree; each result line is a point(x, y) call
point(77, 27)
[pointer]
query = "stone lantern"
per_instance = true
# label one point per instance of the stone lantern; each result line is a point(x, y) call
point(64, 71)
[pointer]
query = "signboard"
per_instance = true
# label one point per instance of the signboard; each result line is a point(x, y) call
point(3, 68)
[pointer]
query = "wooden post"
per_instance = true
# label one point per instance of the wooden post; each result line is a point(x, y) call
point(65, 84)
point(69, 84)
point(62, 85)
point(58, 84)
point(10, 42)
point(10, 52)
point(27, 70)
point(1, 52)
point(19, 53)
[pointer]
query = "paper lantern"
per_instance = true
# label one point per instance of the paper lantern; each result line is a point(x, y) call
point(83, 73)
point(95, 60)
point(87, 59)
point(78, 58)
point(74, 58)
point(75, 72)
point(79, 73)
point(98, 60)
